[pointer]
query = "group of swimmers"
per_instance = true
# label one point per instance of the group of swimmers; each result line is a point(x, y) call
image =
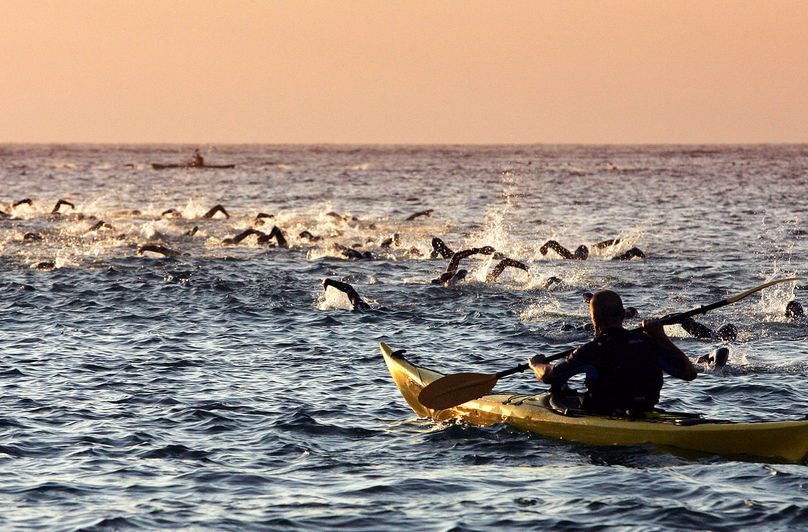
point(453, 274)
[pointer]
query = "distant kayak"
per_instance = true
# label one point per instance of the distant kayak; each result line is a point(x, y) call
point(785, 440)
point(158, 166)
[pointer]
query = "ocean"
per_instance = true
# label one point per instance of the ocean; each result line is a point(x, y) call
point(220, 387)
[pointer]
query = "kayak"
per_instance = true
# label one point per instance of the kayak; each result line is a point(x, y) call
point(158, 166)
point(540, 414)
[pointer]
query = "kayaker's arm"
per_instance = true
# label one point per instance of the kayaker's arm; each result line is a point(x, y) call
point(685, 369)
point(558, 375)
point(540, 367)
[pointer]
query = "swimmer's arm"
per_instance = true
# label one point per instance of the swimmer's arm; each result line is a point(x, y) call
point(558, 248)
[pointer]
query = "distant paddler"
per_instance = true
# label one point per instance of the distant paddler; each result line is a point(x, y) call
point(197, 159)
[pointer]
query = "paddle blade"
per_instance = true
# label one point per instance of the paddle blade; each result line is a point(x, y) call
point(453, 390)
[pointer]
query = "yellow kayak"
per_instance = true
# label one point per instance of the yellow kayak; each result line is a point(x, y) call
point(784, 440)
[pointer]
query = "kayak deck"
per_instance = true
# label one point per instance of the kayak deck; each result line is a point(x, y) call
point(785, 440)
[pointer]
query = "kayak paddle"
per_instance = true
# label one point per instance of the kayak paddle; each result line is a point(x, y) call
point(456, 389)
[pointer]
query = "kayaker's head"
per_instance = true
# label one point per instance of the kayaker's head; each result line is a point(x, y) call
point(606, 310)
point(794, 310)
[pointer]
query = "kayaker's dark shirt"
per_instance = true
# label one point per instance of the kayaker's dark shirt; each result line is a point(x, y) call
point(623, 371)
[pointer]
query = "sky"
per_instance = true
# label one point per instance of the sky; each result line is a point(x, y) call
point(414, 72)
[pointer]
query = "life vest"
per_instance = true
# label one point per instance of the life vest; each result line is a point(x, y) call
point(627, 376)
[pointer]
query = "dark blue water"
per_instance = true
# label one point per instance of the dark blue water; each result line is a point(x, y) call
point(223, 389)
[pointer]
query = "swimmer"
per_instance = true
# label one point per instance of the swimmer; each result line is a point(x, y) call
point(26, 201)
point(342, 217)
point(32, 237)
point(607, 243)
point(450, 278)
point(353, 296)
point(390, 241)
point(306, 235)
point(59, 204)
point(504, 263)
point(582, 252)
point(242, 235)
point(44, 265)
point(413, 253)
point(727, 333)
point(632, 253)
point(172, 213)
point(263, 238)
point(411, 217)
point(794, 310)
point(215, 209)
point(717, 359)
point(351, 253)
point(453, 275)
point(155, 248)
point(277, 234)
point(439, 248)
point(101, 224)
point(192, 232)
point(460, 255)
point(261, 217)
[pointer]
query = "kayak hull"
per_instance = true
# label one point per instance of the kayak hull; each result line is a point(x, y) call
point(158, 166)
point(781, 440)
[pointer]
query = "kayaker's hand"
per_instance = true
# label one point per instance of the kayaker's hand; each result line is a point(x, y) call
point(539, 365)
point(654, 328)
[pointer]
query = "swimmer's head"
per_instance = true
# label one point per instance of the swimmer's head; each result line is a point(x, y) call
point(719, 357)
point(728, 333)
point(794, 310)
point(581, 252)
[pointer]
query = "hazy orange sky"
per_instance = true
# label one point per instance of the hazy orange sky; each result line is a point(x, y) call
point(380, 71)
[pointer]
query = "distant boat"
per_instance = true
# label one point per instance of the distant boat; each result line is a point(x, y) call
point(158, 166)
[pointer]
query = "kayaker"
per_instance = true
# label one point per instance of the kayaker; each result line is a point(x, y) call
point(197, 159)
point(623, 368)
point(349, 291)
